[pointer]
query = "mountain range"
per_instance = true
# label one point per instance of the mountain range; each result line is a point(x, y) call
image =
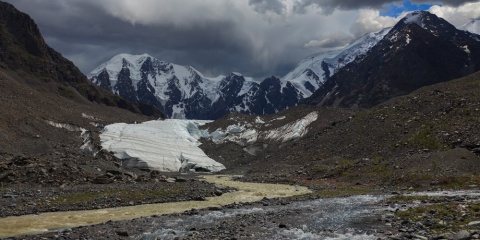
point(184, 92)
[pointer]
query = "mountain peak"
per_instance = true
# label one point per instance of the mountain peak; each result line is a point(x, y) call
point(427, 21)
point(420, 50)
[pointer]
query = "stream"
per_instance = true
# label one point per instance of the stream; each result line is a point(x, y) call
point(44, 222)
point(255, 211)
point(333, 218)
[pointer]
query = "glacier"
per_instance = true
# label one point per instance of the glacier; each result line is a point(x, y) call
point(165, 145)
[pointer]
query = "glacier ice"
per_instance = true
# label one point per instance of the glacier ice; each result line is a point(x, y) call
point(165, 145)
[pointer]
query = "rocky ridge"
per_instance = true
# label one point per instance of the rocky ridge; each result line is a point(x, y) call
point(421, 49)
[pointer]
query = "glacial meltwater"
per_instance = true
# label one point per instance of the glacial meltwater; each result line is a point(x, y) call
point(332, 218)
point(355, 217)
point(248, 192)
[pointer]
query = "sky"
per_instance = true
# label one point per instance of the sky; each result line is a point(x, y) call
point(258, 38)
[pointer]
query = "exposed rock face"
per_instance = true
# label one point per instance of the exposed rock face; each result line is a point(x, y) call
point(420, 50)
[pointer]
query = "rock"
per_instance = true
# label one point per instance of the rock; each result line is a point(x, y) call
point(462, 235)
point(122, 233)
point(9, 195)
point(170, 180)
point(200, 198)
point(4, 176)
point(102, 180)
point(179, 179)
point(474, 224)
point(114, 172)
point(419, 237)
point(282, 225)
point(131, 174)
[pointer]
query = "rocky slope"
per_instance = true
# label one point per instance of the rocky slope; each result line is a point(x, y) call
point(24, 49)
point(420, 50)
point(51, 113)
point(427, 137)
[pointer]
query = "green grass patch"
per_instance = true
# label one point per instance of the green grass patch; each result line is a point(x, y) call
point(341, 192)
point(67, 92)
point(409, 199)
point(123, 194)
point(426, 139)
point(444, 217)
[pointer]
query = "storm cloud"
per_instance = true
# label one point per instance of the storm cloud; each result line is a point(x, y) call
point(258, 38)
point(263, 6)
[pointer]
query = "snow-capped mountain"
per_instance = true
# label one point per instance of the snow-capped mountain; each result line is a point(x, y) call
point(473, 26)
point(421, 49)
point(183, 92)
point(314, 70)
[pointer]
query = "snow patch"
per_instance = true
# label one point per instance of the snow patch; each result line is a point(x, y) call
point(259, 120)
point(170, 145)
point(246, 134)
point(87, 146)
point(293, 130)
point(414, 17)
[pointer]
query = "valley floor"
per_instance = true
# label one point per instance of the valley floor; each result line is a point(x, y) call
point(339, 212)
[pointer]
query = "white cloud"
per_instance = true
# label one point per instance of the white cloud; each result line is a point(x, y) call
point(457, 15)
point(369, 20)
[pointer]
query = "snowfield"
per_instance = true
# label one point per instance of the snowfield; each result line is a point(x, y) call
point(169, 145)
point(245, 135)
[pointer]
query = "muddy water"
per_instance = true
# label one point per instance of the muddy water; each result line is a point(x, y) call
point(248, 192)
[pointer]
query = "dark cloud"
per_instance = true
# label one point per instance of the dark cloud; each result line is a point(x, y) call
point(264, 6)
point(213, 36)
point(92, 37)
point(328, 6)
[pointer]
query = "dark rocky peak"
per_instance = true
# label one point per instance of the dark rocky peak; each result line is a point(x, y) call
point(271, 83)
point(125, 63)
point(426, 20)
point(232, 83)
point(103, 80)
point(147, 66)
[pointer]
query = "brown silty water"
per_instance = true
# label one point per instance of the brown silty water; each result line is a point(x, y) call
point(247, 192)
